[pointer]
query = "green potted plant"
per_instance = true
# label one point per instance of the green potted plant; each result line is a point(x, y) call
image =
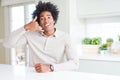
point(96, 41)
point(104, 48)
point(92, 41)
point(118, 37)
point(87, 40)
point(91, 45)
point(109, 41)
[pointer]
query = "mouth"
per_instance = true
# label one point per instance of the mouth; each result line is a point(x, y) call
point(47, 25)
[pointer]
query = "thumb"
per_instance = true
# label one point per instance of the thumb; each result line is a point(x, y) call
point(34, 19)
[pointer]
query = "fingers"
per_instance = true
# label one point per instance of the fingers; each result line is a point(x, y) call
point(42, 68)
point(38, 64)
point(38, 67)
point(34, 19)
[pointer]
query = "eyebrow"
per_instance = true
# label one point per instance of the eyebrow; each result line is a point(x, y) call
point(46, 15)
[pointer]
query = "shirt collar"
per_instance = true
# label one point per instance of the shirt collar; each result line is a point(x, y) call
point(54, 35)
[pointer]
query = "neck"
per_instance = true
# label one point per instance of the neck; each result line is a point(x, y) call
point(49, 33)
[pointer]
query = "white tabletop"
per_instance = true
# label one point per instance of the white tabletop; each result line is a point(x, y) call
point(8, 72)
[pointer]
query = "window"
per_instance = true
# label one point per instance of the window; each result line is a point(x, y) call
point(103, 27)
point(18, 55)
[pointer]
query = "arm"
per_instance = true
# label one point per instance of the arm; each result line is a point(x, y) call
point(17, 38)
point(72, 62)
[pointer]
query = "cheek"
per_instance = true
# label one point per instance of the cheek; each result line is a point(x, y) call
point(53, 22)
point(41, 23)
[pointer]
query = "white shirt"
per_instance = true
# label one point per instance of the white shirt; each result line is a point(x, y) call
point(53, 49)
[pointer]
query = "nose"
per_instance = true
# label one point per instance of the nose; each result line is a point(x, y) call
point(46, 20)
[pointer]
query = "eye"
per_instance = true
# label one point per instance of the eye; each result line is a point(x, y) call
point(49, 17)
point(41, 18)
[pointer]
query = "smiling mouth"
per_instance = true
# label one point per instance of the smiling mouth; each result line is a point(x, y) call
point(47, 25)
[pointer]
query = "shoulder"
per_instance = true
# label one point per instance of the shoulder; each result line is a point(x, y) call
point(60, 33)
point(32, 34)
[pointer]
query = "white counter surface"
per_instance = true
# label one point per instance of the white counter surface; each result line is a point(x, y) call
point(8, 72)
point(101, 57)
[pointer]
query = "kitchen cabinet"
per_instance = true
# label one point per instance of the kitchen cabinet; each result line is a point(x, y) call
point(98, 8)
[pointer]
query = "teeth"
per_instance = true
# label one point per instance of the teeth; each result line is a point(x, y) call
point(47, 25)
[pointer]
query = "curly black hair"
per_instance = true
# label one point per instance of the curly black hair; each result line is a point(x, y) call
point(46, 6)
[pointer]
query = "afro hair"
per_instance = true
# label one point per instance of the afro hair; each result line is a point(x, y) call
point(46, 6)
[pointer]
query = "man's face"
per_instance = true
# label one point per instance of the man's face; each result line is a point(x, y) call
point(46, 21)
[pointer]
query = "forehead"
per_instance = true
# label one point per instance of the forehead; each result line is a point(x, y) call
point(45, 13)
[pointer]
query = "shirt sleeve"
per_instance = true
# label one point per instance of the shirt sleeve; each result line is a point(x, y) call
point(72, 62)
point(15, 38)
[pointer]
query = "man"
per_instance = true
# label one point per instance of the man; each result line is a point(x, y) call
point(50, 49)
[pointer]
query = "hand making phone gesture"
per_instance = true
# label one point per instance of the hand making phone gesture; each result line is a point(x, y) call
point(33, 25)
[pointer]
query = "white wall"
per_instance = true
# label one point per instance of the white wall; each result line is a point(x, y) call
point(76, 27)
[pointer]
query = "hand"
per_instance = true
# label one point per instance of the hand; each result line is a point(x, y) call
point(33, 25)
point(42, 68)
